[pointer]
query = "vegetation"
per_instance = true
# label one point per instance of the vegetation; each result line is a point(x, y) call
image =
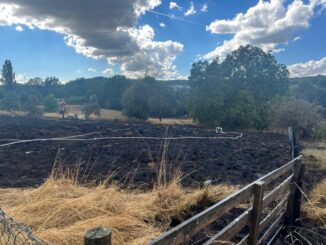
point(50, 103)
point(92, 107)
point(59, 210)
point(234, 93)
point(303, 115)
point(241, 92)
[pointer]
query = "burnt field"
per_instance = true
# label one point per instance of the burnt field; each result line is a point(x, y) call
point(134, 160)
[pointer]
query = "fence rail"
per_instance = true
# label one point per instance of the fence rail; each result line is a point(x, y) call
point(286, 210)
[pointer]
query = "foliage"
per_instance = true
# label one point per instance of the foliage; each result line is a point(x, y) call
point(319, 132)
point(8, 76)
point(234, 93)
point(10, 101)
point(301, 114)
point(92, 107)
point(50, 103)
point(312, 89)
point(135, 101)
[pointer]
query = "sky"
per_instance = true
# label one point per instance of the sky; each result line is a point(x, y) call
point(70, 39)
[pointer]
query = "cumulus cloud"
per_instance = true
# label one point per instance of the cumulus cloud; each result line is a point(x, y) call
point(91, 69)
point(310, 68)
point(266, 25)
point(19, 28)
point(108, 72)
point(191, 10)
point(174, 5)
point(96, 29)
point(153, 59)
point(204, 8)
point(162, 25)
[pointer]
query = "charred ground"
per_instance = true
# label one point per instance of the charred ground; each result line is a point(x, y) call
point(134, 161)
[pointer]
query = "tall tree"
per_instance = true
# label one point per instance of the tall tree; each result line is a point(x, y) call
point(8, 76)
point(235, 92)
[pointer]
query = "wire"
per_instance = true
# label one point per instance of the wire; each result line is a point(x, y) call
point(75, 138)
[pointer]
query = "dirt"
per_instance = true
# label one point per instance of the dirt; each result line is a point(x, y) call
point(234, 161)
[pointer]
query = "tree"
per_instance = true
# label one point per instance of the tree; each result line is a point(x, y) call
point(32, 106)
point(50, 103)
point(51, 82)
point(10, 101)
point(234, 93)
point(36, 81)
point(8, 76)
point(92, 107)
point(301, 114)
point(135, 101)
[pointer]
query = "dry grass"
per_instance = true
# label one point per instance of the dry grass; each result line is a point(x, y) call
point(172, 121)
point(106, 114)
point(61, 210)
point(314, 207)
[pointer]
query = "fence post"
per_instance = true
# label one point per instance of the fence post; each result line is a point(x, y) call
point(297, 193)
point(294, 203)
point(256, 213)
point(98, 236)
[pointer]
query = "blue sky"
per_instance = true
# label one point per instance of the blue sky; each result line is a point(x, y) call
point(71, 39)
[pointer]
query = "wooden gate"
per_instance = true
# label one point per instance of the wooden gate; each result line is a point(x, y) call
point(264, 226)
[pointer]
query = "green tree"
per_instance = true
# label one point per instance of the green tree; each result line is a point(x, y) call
point(50, 103)
point(92, 107)
point(8, 75)
point(135, 101)
point(32, 106)
point(235, 92)
point(10, 101)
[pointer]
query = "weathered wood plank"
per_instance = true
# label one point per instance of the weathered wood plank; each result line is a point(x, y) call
point(270, 177)
point(277, 191)
point(256, 212)
point(271, 229)
point(273, 213)
point(190, 227)
point(230, 230)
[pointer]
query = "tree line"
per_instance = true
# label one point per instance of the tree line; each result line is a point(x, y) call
point(247, 89)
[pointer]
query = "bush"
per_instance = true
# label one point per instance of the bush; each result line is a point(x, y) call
point(92, 107)
point(135, 101)
point(319, 133)
point(301, 114)
point(10, 101)
point(50, 103)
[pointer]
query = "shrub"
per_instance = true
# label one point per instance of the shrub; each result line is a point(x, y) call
point(301, 114)
point(50, 103)
point(92, 107)
point(319, 133)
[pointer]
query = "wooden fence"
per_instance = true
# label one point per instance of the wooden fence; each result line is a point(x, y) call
point(265, 222)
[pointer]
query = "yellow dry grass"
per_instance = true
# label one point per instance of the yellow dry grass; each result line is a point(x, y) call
point(172, 121)
point(106, 114)
point(61, 210)
point(314, 206)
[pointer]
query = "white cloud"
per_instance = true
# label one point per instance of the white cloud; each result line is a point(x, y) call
point(91, 69)
point(19, 28)
point(310, 68)
point(153, 59)
point(297, 38)
point(96, 29)
point(191, 10)
point(108, 72)
point(266, 25)
point(204, 8)
point(21, 78)
point(174, 5)
point(162, 25)
point(79, 71)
